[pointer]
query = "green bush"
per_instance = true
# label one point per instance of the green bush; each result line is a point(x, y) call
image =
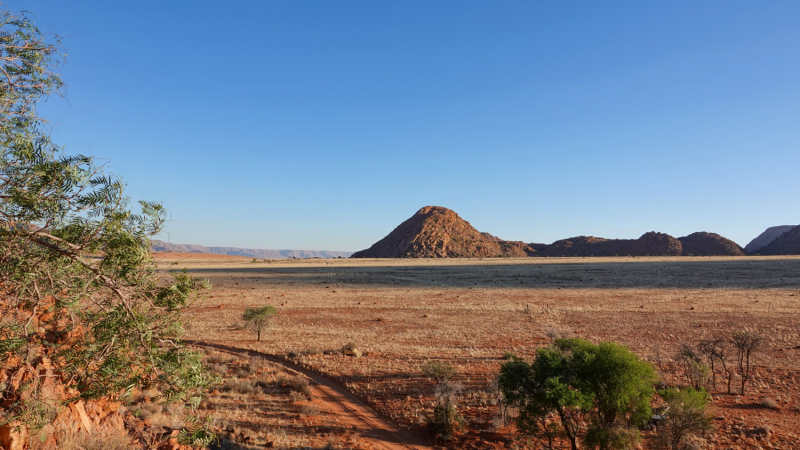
point(440, 372)
point(599, 393)
point(686, 417)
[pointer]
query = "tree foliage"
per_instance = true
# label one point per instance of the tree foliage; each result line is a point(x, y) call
point(258, 318)
point(588, 394)
point(440, 372)
point(80, 290)
point(687, 416)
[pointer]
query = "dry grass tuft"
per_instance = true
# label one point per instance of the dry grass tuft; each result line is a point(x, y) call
point(770, 403)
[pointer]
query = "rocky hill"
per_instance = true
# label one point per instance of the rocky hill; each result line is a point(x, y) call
point(765, 238)
point(649, 244)
point(787, 243)
point(437, 232)
point(161, 246)
point(708, 244)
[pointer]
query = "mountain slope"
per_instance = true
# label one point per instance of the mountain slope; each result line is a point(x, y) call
point(437, 232)
point(709, 244)
point(787, 243)
point(161, 246)
point(765, 238)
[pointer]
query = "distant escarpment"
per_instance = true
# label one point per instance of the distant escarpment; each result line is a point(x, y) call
point(708, 244)
point(649, 244)
point(161, 246)
point(766, 238)
point(437, 232)
point(787, 243)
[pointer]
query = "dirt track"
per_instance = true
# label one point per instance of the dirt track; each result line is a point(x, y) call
point(383, 432)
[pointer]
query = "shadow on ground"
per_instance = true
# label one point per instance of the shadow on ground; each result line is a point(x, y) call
point(691, 274)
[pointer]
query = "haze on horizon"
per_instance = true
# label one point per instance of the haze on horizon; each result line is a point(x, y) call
point(323, 125)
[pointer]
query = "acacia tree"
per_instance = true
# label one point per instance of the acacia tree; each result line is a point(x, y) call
point(80, 290)
point(258, 318)
point(746, 343)
point(598, 393)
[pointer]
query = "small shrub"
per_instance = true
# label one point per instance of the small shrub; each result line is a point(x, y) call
point(686, 419)
point(770, 403)
point(309, 410)
point(295, 384)
point(97, 439)
point(296, 397)
point(351, 349)
point(238, 386)
point(218, 369)
point(147, 410)
point(446, 421)
point(441, 372)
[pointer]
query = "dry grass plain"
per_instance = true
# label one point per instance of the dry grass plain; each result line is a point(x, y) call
point(403, 313)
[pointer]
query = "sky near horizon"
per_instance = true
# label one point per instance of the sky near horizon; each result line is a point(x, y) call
point(323, 124)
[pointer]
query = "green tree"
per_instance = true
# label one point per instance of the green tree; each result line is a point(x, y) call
point(258, 318)
point(687, 416)
point(80, 289)
point(598, 393)
point(441, 372)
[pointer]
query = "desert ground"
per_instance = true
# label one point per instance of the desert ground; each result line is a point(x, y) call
point(470, 312)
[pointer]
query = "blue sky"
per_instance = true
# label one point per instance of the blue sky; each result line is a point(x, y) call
point(324, 124)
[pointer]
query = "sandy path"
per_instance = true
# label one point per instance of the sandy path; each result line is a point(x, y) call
point(338, 400)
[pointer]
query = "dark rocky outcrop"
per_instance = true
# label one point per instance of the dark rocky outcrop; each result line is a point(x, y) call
point(709, 244)
point(649, 244)
point(437, 232)
point(765, 238)
point(787, 243)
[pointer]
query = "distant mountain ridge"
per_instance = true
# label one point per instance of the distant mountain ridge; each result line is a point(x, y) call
point(437, 232)
point(787, 243)
point(161, 246)
point(767, 237)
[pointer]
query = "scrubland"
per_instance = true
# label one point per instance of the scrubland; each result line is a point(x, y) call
point(400, 314)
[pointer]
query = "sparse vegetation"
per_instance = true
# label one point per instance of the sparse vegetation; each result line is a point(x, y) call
point(746, 344)
point(440, 372)
point(258, 318)
point(472, 328)
point(687, 416)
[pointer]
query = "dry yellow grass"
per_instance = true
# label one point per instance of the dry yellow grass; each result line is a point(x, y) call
point(402, 313)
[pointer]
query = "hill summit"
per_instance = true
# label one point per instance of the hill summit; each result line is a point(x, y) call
point(437, 232)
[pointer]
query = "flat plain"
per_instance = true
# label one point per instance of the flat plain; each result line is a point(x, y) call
point(470, 312)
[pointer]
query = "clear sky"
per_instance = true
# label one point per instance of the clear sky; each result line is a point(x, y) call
point(324, 124)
